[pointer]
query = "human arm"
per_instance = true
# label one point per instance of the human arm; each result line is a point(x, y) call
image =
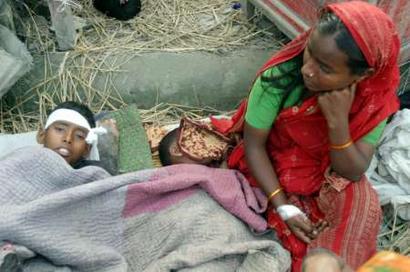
point(263, 106)
point(260, 164)
point(353, 160)
point(262, 170)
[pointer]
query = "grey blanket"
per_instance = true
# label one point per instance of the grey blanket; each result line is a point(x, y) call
point(178, 218)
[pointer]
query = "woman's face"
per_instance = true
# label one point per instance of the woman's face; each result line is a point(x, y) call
point(325, 66)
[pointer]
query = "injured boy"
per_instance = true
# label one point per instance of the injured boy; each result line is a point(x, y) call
point(194, 143)
point(70, 131)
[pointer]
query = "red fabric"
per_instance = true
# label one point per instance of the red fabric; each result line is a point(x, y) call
point(298, 143)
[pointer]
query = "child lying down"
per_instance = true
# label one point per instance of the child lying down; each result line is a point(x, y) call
point(70, 131)
point(195, 143)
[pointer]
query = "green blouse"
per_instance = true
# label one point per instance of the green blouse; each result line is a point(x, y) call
point(265, 101)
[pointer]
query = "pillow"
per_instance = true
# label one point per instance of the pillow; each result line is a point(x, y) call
point(134, 150)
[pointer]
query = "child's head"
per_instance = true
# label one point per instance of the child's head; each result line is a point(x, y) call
point(169, 152)
point(322, 259)
point(66, 130)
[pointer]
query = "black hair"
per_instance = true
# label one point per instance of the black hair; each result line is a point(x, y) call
point(288, 78)
point(330, 24)
point(113, 8)
point(165, 146)
point(80, 108)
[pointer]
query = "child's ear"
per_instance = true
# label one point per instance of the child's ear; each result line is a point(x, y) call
point(41, 136)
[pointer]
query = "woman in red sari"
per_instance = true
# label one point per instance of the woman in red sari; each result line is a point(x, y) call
point(310, 125)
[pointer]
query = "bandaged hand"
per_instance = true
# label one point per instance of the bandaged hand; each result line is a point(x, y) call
point(298, 222)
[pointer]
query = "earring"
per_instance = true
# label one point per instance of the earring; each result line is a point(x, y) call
point(311, 75)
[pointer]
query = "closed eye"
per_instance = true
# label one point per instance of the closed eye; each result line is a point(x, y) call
point(323, 67)
point(59, 128)
point(80, 135)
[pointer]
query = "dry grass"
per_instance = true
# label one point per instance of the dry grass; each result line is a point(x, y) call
point(174, 26)
point(163, 25)
point(74, 80)
point(165, 114)
point(405, 78)
point(395, 233)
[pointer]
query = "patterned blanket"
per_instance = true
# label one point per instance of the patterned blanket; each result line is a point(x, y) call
point(178, 218)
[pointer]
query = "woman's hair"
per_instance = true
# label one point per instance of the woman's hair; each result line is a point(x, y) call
point(165, 146)
point(284, 78)
point(330, 24)
point(80, 108)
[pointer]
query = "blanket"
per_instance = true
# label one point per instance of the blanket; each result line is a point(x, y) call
point(389, 171)
point(178, 218)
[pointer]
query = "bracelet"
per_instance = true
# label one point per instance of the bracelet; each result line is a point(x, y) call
point(342, 146)
point(271, 195)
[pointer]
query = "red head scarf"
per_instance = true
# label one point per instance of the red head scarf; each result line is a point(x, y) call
point(375, 34)
point(298, 143)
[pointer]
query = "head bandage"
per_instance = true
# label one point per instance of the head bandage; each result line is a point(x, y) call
point(74, 117)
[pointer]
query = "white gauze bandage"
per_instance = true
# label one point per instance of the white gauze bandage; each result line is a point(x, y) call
point(288, 211)
point(76, 118)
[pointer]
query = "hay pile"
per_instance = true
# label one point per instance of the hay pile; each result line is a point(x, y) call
point(174, 26)
point(395, 232)
point(163, 25)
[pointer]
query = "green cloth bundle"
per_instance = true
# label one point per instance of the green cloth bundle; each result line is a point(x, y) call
point(134, 151)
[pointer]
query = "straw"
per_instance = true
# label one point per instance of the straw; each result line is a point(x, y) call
point(163, 25)
point(395, 233)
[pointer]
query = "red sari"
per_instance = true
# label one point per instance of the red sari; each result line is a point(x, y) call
point(298, 144)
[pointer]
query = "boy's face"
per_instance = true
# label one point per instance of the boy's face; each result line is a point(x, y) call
point(67, 139)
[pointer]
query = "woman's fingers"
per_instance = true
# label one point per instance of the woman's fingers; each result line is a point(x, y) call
point(302, 228)
point(301, 235)
point(321, 225)
point(298, 232)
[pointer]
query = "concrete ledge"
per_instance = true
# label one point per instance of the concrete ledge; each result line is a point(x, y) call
point(195, 78)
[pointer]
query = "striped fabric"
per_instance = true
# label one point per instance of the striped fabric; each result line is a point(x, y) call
point(183, 217)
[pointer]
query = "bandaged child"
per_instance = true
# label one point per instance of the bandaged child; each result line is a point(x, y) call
point(195, 143)
point(71, 132)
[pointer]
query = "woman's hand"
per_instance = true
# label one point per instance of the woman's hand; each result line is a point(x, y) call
point(302, 228)
point(335, 105)
point(321, 225)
